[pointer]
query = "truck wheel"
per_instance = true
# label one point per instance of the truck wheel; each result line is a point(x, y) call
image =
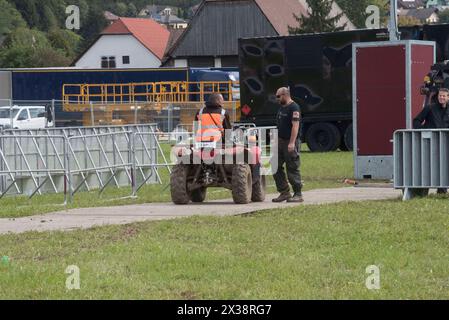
point(348, 138)
point(323, 137)
point(259, 187)
point(178, 184)
point(342, 146)
point(198, 195)
point(241, 183)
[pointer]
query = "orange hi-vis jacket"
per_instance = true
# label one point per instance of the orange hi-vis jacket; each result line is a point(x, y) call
point(210, 126)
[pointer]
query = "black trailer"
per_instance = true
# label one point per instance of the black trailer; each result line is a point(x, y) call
point(318, 70)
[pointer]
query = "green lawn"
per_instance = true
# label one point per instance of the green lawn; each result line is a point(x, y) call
point(308, 252)
point(320, 170)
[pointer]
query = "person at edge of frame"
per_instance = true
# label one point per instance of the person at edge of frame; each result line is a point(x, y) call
point(435, 116)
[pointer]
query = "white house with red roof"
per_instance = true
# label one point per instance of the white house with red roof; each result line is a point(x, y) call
point(127, 43)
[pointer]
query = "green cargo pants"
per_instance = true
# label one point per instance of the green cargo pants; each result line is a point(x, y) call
point(292, 162)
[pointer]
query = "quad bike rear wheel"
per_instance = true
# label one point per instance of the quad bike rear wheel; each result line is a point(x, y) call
point(258, 194)
point(241, 183)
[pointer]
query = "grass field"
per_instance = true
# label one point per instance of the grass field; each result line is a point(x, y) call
point(320, 170)
point(309, 252)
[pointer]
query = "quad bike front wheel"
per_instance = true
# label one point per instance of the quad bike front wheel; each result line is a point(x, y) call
point(241, 183)
point(178, 184)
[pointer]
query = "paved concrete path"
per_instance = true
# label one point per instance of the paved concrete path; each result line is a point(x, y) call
point(89, 217)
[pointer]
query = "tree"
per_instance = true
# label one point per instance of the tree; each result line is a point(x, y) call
point(407, 21)
point(319, 19)
point(132, 10)
point(355, 10)
point(33, 34)
point(14, 57)
point(48, 20)
point(10, 18)
point(29, 11)
point(25, 48)
point(66, 41)
point(49, 57)
point(120, 9)
point(94, 23)
point(444, 16)
point(24, 37)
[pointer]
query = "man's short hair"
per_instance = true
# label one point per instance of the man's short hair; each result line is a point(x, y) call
point(284, 90)
point(443, 90)
point(214, 98)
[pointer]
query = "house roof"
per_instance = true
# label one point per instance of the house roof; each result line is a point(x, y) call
point(279, 14)
point(174, 36)
point(110, 16)
point(411, 4)
point(165, 19)
point(153, 9)
point(151, 34)
point(172, 19)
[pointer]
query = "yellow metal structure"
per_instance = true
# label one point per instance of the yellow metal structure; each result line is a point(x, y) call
point(140, 102)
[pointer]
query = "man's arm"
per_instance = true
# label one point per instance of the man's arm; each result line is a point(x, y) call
point(227, 122)
point(419, 119)
point(295, 130)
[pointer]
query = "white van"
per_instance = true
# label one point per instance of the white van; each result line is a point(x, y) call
point(23, 117)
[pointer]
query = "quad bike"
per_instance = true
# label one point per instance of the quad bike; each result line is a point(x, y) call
point(202, 166)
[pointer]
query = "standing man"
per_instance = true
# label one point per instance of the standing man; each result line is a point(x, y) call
point(435, 116)
point(288, 121)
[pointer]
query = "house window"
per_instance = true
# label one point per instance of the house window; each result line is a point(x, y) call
point(125, 59)
point(108, 62)
point(104, 62)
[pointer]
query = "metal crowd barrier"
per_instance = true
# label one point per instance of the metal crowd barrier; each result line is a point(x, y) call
point(421, 161)
point(70, 160)
point(35, 162)
point(145, 164)
point(106, 160)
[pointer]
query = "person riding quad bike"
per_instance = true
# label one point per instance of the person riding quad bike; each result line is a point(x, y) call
point(217, 158)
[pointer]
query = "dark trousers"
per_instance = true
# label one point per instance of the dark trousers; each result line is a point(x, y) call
point(292, 162)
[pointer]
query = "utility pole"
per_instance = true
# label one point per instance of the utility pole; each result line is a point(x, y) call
point(393, 24)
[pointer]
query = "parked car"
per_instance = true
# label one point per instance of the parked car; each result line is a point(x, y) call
point(23, 117)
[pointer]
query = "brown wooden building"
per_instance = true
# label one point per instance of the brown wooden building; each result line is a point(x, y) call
point(211, 39)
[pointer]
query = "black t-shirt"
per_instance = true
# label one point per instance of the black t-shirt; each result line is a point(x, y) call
point(285, 118)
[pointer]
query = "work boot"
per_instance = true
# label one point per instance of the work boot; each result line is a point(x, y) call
point(282, 197)
point(297, 197)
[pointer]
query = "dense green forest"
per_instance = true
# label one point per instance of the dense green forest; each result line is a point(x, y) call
point(33, 33)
